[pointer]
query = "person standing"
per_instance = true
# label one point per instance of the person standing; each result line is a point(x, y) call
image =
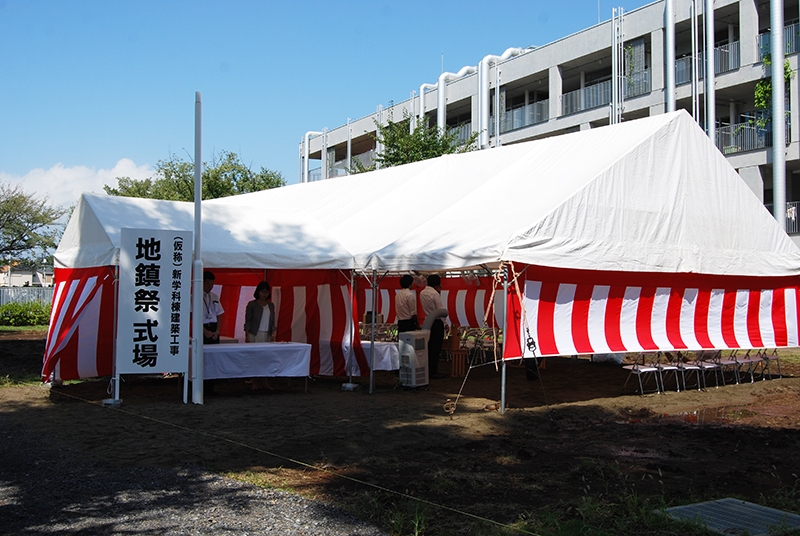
point(431, 301)
point(211, 310)
point(405, 306)
point(259, 315)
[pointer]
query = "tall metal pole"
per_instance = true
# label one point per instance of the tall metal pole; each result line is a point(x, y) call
point(695, 96)
point(778, 113)
point(711, 104)
point(502, 350)
point(197, 276)
point(669, 59)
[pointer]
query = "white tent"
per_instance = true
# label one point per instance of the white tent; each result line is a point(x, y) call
point(233, 236)
point(642, 236)
point(652, 195)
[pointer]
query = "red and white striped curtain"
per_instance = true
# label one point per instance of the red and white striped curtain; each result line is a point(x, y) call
point(311, 306)
point(569, 312)
point(466, 299)
point(81, 333)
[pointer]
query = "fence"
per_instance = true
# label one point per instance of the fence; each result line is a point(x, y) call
point(25, 294)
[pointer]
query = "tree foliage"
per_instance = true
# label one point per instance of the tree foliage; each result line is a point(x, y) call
point(402, 145)
point(173, 180)
point(762, 94)
point(28, 224)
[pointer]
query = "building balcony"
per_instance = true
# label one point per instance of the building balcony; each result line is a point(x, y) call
point(726, 58)
point(522, 116)
point(743, 137)
point(791, 36)
point(597, 95)
point(792, 216)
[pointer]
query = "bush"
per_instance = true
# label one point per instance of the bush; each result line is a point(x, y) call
point(25, 314)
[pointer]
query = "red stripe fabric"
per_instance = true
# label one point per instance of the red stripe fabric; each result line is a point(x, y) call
point(753, 320)
point(580, 318)
point(644, 317)
point(674, 319)
point(728, 318)
point(614, 318)
point(650, 311)
point(779, 318)
point(83, 310)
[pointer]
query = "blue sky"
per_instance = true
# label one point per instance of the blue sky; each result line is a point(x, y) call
point(95, 89)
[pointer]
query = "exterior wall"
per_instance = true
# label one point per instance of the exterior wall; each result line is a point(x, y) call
point(583, 60)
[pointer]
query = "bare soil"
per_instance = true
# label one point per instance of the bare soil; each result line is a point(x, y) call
point(570, 435)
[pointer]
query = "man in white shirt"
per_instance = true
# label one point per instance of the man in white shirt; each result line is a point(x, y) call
point(211, 310)
point(431, 301)
point(405, 306)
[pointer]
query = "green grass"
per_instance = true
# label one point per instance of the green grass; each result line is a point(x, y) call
point(23, 328)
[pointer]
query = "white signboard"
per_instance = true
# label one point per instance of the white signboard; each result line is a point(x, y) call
point(155, 284)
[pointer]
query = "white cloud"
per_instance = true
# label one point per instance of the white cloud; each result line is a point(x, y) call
point(64, 185)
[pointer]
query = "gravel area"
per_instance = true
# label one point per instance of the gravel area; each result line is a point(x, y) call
point(48, 491)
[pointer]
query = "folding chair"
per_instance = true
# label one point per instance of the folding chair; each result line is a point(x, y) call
point(641, 368)
point(685, 366)
point(666, 366)
point(750, 362)
point(768, 357)
point(731, 364)
point(706, 361)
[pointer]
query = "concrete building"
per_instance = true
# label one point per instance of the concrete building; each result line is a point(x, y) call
point(568, 85)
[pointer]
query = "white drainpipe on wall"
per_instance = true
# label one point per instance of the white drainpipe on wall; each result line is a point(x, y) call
point(306, 138)
point(483, 92)
point(441, 110)
point(422, 89)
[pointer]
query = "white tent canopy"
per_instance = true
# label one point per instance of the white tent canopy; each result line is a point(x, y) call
point(233, 236)
point(651, 195)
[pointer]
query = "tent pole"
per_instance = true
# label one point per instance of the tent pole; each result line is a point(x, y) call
point(502, 348)
point(350, 386)
point(197, 276)
point(372, 331)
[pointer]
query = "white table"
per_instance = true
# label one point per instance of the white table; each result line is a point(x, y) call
point(387, 355)
point(253, 360)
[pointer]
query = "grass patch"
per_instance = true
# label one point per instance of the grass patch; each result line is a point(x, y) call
point(23, 328)
point(26, 379)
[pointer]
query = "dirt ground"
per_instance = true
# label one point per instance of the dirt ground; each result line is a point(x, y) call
point(570, 435)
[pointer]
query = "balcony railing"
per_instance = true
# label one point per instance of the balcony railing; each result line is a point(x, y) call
point(726, 58)
point(791, 36)
point(463, 132)
point(599, 94)
point(587, 98)
point(792, 216)
point(523, 116)
point(744, 137)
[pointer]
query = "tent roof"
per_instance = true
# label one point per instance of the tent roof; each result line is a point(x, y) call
point(233, 236)
point(651, 195)
point(647, 195)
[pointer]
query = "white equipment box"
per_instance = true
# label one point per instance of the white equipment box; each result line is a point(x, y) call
point(413, 346)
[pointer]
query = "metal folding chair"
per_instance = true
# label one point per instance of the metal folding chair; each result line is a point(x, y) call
point(706, 361)
point(641, 368)
point(767, 358)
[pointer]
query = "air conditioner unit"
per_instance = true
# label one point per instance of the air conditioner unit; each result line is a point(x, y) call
point(413, 346)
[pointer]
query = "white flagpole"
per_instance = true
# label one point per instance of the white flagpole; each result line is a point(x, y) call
point(197, 276)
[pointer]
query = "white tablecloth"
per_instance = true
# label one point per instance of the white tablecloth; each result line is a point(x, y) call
point(251, 360)
point(387, 355)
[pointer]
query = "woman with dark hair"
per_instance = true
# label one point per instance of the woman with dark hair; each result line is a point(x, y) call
point(259, 316)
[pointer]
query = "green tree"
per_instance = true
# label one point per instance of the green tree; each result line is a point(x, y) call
point(173, 180)
point(401, 145)
point(28, 224)
point(762, 94)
